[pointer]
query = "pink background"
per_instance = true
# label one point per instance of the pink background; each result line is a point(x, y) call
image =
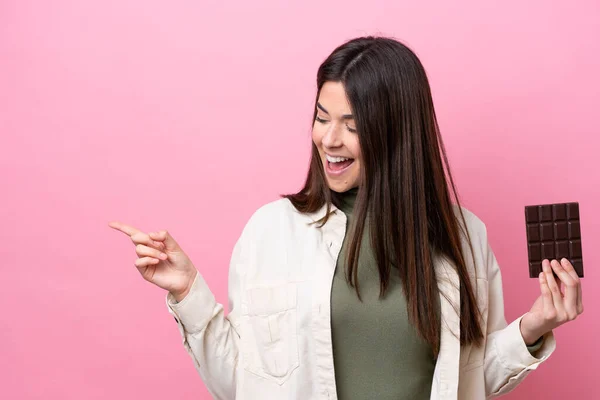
point(190, 115)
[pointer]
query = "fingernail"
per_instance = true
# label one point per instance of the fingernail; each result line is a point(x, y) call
point(163, 256)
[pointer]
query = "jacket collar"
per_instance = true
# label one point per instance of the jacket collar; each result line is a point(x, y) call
point(320, 213)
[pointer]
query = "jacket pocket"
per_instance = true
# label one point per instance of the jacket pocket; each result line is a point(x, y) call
point(270, 335)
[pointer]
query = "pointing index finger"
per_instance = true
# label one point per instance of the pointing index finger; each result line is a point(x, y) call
point(126, 229)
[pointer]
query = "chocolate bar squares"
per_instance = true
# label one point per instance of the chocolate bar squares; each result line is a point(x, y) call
point(553, 232)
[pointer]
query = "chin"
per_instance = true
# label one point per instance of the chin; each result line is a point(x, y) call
point(340, 187)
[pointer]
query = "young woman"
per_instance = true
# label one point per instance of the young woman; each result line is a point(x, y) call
point(369, 283)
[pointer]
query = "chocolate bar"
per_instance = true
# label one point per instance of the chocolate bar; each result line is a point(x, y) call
point(553, 232)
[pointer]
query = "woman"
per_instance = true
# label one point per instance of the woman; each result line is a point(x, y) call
point(369, 268)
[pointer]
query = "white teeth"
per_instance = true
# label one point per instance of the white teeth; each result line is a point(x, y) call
point(335, 159)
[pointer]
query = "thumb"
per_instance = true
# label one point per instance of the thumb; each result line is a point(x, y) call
point(166, 238)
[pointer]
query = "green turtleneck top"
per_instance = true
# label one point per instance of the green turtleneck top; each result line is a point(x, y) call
point(376, 351)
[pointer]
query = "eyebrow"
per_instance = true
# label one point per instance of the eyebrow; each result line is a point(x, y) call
point(345, 116)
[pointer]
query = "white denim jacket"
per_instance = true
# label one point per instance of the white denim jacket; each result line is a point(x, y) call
point(275, 343)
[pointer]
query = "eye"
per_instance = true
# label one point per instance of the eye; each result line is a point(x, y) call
point(322, 121)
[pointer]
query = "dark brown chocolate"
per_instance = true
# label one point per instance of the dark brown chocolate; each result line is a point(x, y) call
point(553, 232)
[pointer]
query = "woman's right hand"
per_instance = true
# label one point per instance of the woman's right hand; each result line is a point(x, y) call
point(160, 260)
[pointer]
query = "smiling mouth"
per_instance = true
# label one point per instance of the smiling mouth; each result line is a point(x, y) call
point(339, 166)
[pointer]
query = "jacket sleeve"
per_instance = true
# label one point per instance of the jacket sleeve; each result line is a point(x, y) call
point(209, 337)
point(507, 359)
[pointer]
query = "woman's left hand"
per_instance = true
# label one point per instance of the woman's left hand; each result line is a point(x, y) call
point(553, 308)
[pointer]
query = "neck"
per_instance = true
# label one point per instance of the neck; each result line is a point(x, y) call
point(347, 200)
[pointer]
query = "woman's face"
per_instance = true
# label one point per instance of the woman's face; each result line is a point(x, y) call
point(334, 134)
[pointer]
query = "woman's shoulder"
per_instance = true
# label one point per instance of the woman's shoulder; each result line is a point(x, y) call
point(275, 208)
point(476, 229)
point(280, 211)
point(275, 224)
point(472, 221)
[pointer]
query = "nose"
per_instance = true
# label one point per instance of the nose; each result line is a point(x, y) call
point(333, 136)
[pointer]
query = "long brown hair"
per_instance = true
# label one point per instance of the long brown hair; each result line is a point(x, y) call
point(403, 189)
